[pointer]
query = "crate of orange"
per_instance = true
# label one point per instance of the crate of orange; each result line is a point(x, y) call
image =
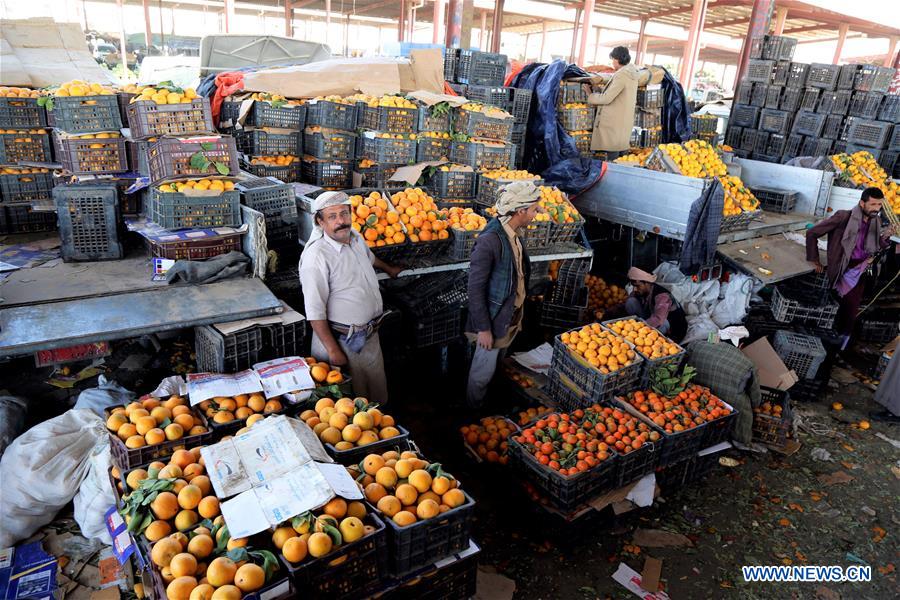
point(598, 362)
point(719, 416)
point(231, 416)
point(656, 349)
point(427, 225)
point(772, 419)
point(150, 428)
point(683, 432)
point(466, 225)
point(565, 457)
point(376, 219)
point(486, 441)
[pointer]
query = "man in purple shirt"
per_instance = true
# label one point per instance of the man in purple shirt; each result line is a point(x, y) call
point(854, 236)
point(655, 304)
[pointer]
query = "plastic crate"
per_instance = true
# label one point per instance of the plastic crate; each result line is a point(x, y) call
point(773, 96)
point(780, 73)
point(331, 115)
point(865, 104)
point(21, 218)
point(838, 147)
point(520, 104)
point(459, 88)
point(796, 77)
point(790, 99)
point(809, 100)
point(569, 285)
point(780, 201)
point(596, 385)
point(760, 91)
point(26, 187)
point(271, 197)
point(285, 173)
point(890, 108)
point(748, 139)
point(480, 155)
point(776, 144)
point(822, 76)
point(91, 156)
point(650, 364)
point(565, 492)
point(871, 78)
point(453, 184)
point(479, 125)
point(580, 119)
point(802, 353)
point(816, 147)
point(704, 123)
point(352, 570)
point(265, 114)
point(562, 317)
point(826, 102)
point(834, 125)
point(756, 46)
point(793, 145)
point(194, 249)
point(744, 116)
point(355, 455)
point(171, 157)
point(788, 307)
point(574, 92)
point(846, 76)
point(733, 136)
point(774, 121)
point(220, 353)
point(388, 119)
point(21, 113)
point(481, 68)
point(387, 150)
point(454, 578)
point(770, 429)
point(490, 188)
point(759, 71)
point(330, 175)
point(129, 458)
point(85, 114)
point(258, 142)
point(808, 123)
point(378, 176)
point(138, 157)
point(427, 121)
point(24, 147)
point(432, 149)
point(432, 293)
point(281, 340)
point(878, 329)
point(647, 97)
point(888, 161)
point(642, 118)
point(451, 58)
point(88, 222)
point(718, 430)
point(871, 134)
point(841, 102)
point(330, 144)
point(176, 210)
point(149, 119)
point(437, 329)
point(778, 47)
point(744, 93)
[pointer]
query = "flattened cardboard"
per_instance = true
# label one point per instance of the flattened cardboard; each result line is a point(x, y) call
point(651, 573)
point(412, 173)
point(770, 368)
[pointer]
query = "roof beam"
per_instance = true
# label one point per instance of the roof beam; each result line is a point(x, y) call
point(807, 28)
point(690, 7)
point(727, 23)
point(371, 7)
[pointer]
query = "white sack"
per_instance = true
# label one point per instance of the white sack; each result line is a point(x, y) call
point(95, 495)
point(12, 419)
point(106, 394)
point(732, 308)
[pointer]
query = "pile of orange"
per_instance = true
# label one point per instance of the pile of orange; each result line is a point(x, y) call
point(487, 438)
point(18, 92)
point(249, 408)
point(704, 404)
point(323, 373)
point(213, 184)
point(602, 296)
point(604, 350)
point(775, 410)
point(22, 171)
point(188, 500)
point(283, 160)
point(191, 569)
point(530, 414)
point(521, 379)
point(318, 533)
point(23, 132)
point(347, 423)
point(418, 211)
point(670, 414)
point(379, 224)
point(647, 340)
point(465, 219)
point(405, 488)
point(153, 421)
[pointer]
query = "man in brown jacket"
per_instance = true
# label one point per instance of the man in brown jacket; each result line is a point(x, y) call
point(615, 106)
point(854, 236)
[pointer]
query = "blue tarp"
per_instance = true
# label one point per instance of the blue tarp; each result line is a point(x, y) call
point(551, 151)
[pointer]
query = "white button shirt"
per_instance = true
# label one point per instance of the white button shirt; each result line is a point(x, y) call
point(339, 282)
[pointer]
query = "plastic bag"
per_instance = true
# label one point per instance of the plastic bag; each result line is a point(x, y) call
point(732, 307)
point(95, 495)
point(106, 394)
point(699, 328)
point(12, 419)
point(42, 471)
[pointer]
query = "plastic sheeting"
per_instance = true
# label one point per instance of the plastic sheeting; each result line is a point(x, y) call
point(552, 152)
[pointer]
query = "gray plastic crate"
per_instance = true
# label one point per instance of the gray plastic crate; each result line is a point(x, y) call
point(218, 353)
point(88, 222)
point(759, 70)
point(85, 114)
point(781, 201)
point(788, 307)
point(269, 196)
point(808, 123)
point(871, 134)
point(822, 76)
point(802, 353)
point(175, 210)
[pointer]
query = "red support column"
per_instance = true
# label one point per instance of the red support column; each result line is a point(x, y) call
point(327, 20)
point(575, 27)
point(780, 17)
point(585, 29)
point(454, 23)
point(543, 40)
point(482, 32)
point(597, 45)
point(229, 15)
point(760, 18)
point(892, 48)
point(288, 18)
point(123, 49)
point(437, 18)
point(692, 47)
point(842, 35)
point(497, 25)
point(642, 43)
point(148, 32)
point(401, 22)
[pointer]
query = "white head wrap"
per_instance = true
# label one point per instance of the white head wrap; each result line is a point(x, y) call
point(515, 196)
point(324, 200)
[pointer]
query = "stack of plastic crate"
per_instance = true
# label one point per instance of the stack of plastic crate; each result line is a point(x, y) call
point(329, 143)
point(575, 114)
point(647, 129)
point(270, 141)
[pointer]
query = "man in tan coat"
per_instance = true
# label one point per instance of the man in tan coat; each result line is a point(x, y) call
point(615, 106)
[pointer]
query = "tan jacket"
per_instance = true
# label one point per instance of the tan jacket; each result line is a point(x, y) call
point(615, 111)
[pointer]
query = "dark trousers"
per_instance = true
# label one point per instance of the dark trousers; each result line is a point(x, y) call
point(848, 306)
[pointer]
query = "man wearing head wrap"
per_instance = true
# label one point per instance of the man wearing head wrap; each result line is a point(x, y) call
point(341, 296)
point(498, 277)
point(653, 303)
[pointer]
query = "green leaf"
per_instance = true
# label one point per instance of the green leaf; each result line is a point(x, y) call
point(165, 423)
point(268, 559)
point(207, 146)
point(199, 161)
point(238, 554)
point(223, 541)
point(333, 533)
point(222, 168)
point(277, 103)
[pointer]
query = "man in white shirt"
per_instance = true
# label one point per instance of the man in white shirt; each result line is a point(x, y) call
point(342, 298)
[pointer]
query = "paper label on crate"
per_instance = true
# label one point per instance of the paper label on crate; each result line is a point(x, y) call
point(225, 470)
point(203, 386)
point(310, 441)
point(284, 375)
point(301, 490)
point(270, 451)
point(243, 515)
point(169, 386)
point(340, 481)
point(537, 360)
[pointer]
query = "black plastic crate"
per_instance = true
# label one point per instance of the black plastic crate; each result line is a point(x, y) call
point(597, 386)
point(704, 123)
point(760, 143)
point(494, 95)
point(773, 96)
point(718, 430)
point(644, 119)
point(331, 115)
point(259, 142)
point(776, 144)
point(820, 75)
point(453, 184)
point(265, 114)
point(808, 123)
point(816, 147)
point(647, 97)
point(744, 116)
point(479, 125)
point(890, 108)
point(871, 78)
point(431, 148)
point(733, 136)
point(756, 46)
point(759, 71)
point(175, 210)
point(88, 222)
point(833, 126)
point(790, 99)
point(780, 201)
point(826, 102)
point(760, 92)
point(85, 114)
point(582, 118)
point(129, 458)
point(91, 156)
point(480, 155)
point(574, 92)
point(389, 119)
point(871, 134)
point(888, 161)
point(387, 150)
point(329, 144)
point(21, 113)
point(271, 197)
point(569, 287)
point(772, 429)
point(793, 145)
point(281, 339)
point(24, 146)
point(437, 329)
point(809, 100)
point(481, 68)
point(780, 72)
point(838, 147)
point(146, 118)
point(846, 76)
point(558, 318)
point(429, 121)
point(220, 353)
point(432, 293)
point(22, 218)
point(445, 580)
point(286, 173)
point(865, 104)
point(330, 175)
point(774, 121)
point(353, 456)
point(779, 47)
point(748, 139)
point(173, 157)
point(451, 59)
point(32, 186)
point(520, 104)
point(138, 157)
point(377, 176)
point(841, 102)
point(744, 93)
point(797, 75)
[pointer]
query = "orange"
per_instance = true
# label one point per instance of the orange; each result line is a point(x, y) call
point(336, 507)
point(351, 433)
point(145, 424)
point(454, 498)
point(427, 509)
point(375, 492)
point(389, 505)
point(162, 552)
point(389, 432)
point(345, 406)
point(165, 505)
point(387, 477)
point(208, 507)
point(223, 416)
point(372, 463)
point(404, 468)
point(186, 421)
point(189, 497)
point(180, 588)
point(294, 550)
point(201, 545)
point(115, 421)
point(421, 480)
point(319, 544)
point(155, 436)
point(183, 565)
point(186, 519)
point(192, 471)
point(406, 493)
point(182, 458)
point(204, 591)
point(356, 509)
point(318, 372)
point(135, 477)
point(227, 592)
point(170, 472)
point(367, 437)
point(272, 406)
point(404, 518)
point(157, 530)
point(181, 538)
point(249, 577)
point(282, 535)
point(440, 485)
point(338, 420)
point(351, 529)
point(160, 414)
point(243, 412)
point(221, 571)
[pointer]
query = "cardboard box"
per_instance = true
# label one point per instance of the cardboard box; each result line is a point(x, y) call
point(770, 368)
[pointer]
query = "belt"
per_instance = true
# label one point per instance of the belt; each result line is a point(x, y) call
point(371, 328)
